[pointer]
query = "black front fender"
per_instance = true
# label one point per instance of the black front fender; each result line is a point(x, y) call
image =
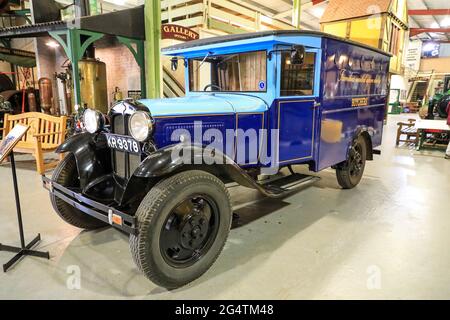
point(173, 158)
point(91, 155)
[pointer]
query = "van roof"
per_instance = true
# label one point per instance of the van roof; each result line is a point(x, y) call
point(255, 35)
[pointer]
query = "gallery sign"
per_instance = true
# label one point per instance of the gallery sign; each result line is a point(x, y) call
point(176, 32)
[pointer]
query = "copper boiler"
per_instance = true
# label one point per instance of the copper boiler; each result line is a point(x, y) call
point(4, 5)
point(93, 85)
point(46, 94)
point(32, 103)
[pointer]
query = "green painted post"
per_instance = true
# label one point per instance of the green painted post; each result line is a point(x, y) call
point(93, 7)
point(296, 13)
point(153, 47)
point(74, 41)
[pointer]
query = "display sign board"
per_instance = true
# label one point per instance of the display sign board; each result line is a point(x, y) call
point(430, 50)
point(413, 54)
point(11, 140)
point(134, 94)
point(176, 32)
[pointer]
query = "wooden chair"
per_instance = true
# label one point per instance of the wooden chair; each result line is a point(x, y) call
point(408, 129)
point(45, 135)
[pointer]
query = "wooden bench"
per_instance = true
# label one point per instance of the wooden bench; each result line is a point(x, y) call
point(408, 129)
point(45, 135)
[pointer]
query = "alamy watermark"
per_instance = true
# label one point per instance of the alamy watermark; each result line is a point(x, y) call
point(374, 277)
point(73, 281)
point(204, 144)
point(374, 21)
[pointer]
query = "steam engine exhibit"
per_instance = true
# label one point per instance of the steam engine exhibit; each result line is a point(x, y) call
point(48, 80)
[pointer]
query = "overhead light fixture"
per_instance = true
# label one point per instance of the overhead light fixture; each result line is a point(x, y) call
point(317, 11)
point(435, 25)
point(52, 44)
point(445, 22)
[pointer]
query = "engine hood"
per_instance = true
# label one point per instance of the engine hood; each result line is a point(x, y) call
point(204, 104)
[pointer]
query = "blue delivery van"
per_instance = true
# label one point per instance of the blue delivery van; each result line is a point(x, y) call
point(255, 103)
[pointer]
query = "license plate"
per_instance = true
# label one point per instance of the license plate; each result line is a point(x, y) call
point(123, 143)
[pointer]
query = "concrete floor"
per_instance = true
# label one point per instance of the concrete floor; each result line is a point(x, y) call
point(386, 239)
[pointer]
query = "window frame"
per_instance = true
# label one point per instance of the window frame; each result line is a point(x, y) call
point(224, 54)
point(317, 70)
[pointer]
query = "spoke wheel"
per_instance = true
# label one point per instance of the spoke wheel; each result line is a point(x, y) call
point(189, 230)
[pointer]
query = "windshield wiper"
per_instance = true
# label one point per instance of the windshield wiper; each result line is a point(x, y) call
point(203, 61)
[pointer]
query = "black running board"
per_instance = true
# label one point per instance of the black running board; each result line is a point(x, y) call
point(286, 185)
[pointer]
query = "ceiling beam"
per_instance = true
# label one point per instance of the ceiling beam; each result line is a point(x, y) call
point(416, 31)
point(428, 12)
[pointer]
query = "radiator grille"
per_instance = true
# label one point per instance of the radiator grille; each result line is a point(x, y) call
point(124, 163)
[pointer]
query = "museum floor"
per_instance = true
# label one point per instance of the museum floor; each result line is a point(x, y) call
point(388, 238)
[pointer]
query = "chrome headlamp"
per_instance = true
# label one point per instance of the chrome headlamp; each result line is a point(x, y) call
point(93, 120)
point(140, 126)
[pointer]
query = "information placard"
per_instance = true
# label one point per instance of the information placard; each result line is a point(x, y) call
point(11, 140)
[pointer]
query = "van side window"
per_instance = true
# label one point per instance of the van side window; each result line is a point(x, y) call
point(297, 80)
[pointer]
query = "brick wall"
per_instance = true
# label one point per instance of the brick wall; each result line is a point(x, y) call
point(121, 68)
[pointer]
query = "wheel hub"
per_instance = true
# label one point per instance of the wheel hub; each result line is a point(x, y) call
point(194, 231)
point(189, 230)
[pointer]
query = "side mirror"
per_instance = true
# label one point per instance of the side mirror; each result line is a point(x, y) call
point(297, 55)
point(174, 64)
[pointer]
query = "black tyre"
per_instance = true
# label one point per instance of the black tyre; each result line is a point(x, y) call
point(350, 172)
point(66, 174)
point(183, 222)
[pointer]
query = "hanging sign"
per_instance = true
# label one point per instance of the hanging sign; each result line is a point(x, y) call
point(413, 54)
point(176, 32)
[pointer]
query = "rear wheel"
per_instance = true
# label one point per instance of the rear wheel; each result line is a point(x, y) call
point(184, 222)
point(66, 174)
point(350, 173)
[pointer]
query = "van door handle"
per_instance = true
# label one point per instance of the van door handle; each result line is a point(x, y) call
point(317, 105)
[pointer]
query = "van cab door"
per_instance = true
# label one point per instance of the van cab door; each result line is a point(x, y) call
point(297, 107)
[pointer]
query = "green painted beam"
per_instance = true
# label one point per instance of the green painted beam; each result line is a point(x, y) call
point(74, 44)
point(296, 13)
point(75, 49)
point(153, 48)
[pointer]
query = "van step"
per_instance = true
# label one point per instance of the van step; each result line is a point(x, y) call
point(288, 184)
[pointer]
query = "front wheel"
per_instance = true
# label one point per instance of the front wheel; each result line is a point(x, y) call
point(183, 223)
point(350, 173)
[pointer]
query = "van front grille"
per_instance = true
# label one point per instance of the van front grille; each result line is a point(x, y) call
point(124, 164)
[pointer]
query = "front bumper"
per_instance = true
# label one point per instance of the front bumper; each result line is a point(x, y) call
point(100, 211)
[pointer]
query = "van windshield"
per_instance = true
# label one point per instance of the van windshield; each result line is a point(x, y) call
point(240, 72)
